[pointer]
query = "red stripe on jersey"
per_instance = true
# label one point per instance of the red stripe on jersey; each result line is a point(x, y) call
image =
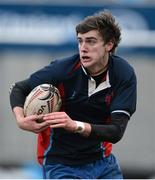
point(62, 94)
point(44, 136)
point(77, 65)
point(43, 143)
point(108, 148)
point(104, 77)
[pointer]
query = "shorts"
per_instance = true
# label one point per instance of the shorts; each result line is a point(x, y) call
point(106, 168)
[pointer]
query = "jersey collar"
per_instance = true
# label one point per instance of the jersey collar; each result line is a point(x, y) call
point(92, 84)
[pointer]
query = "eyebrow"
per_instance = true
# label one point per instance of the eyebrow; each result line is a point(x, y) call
point(87, 38)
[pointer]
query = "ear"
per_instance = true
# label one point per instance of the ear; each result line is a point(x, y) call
point(109, 46)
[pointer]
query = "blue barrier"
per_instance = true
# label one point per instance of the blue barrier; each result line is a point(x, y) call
point(53, 26)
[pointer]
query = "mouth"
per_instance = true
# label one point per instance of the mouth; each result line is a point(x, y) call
point(85, 58)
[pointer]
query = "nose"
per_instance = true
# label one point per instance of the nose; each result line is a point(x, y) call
point(83, 47)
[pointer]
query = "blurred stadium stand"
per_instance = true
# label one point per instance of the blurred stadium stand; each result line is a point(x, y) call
point(80, 2)
point(33, 33)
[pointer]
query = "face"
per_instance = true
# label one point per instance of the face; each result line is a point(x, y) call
point(93, 52)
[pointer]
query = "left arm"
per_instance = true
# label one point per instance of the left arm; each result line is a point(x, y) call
point(112, 132)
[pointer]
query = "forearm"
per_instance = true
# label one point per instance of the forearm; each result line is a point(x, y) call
point(112, 132)
point(19, 116)
point(19, 113)
point(18, 93)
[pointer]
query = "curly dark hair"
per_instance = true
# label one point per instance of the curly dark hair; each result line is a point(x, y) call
point(104, 22)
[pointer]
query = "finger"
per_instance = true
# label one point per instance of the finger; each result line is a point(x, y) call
point(54, 113)
point(41, 126)
point(61, 125)
point(40, 116)
point(55, 116)
point(41, 129)
point(39, 119)
point(34, 117)
point(56, 121)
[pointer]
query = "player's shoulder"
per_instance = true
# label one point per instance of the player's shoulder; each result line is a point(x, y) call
point(120, 62)
point(121, 70)
point(68, 62)
point(63, 67)
point(121, 67)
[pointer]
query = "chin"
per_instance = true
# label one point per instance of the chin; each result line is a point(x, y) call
point(87, 64)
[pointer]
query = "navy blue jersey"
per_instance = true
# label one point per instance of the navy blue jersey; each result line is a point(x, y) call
point(86, 102)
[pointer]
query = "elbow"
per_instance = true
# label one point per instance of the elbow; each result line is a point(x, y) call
point(118, 134)
point(116, 139)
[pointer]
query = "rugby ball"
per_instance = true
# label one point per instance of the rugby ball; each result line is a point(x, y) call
point(43, 99)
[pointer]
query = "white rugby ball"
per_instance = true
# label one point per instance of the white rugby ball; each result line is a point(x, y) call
point(43, 99)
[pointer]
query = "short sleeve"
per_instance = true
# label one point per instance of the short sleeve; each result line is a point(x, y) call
point(125, 96)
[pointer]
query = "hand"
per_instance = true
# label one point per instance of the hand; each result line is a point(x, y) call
point(33, 123)
point(30, 123)
point(60, 120)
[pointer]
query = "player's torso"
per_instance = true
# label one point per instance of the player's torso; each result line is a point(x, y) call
point(82, 105)
point(82, 101)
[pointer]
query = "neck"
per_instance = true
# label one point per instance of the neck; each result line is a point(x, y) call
point(98, 70)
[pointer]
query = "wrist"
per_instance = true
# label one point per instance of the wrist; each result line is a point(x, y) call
point(80, 127)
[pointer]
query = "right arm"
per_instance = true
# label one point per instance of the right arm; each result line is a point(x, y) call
point(18, 94)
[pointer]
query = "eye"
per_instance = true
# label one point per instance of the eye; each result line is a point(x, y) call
point(91, 41)
point(79, 41)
